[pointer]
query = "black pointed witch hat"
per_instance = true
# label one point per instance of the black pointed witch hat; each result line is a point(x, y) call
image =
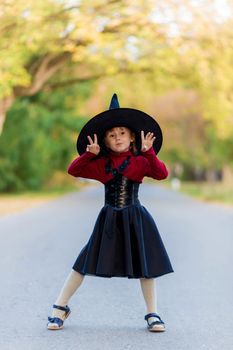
point(131, 118)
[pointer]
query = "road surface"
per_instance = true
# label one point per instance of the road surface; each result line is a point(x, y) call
point(39, 246)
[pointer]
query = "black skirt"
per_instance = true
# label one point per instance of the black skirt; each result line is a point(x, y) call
point(125, 242)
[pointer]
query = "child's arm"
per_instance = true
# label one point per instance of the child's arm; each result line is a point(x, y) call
point(155, 168)
point(83, 166)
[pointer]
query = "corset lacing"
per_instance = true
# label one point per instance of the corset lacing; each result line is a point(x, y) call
point(120, 191)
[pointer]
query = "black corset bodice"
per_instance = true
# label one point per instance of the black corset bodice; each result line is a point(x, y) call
point(120, 192)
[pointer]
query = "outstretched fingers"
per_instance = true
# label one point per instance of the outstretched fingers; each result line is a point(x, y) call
point(95, 138)
point(90, 140)
point(93, 145)
point(149, 136)
point(147, 141)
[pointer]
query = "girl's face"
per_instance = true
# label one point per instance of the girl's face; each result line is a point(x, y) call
point(118, 139)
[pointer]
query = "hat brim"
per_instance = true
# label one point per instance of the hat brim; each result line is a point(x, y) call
point(133, 119)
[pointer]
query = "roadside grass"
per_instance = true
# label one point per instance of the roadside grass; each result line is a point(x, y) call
point(16, 202)
point(215, 191)
point(206, 191)
point(44, 193)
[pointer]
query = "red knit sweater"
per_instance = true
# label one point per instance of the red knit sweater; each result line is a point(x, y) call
point(147, 164)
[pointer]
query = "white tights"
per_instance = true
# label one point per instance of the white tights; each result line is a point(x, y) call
point(75, 279)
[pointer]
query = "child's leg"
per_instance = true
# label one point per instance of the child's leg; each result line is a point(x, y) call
point(149, 292)
point(148, 287)
point(71, 284)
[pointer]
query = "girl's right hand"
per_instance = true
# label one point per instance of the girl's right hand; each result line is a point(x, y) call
point(93, 147)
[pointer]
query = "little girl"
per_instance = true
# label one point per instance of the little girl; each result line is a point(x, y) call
point(125, 241)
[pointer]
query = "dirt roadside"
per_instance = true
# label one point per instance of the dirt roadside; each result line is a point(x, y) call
point(14, 205)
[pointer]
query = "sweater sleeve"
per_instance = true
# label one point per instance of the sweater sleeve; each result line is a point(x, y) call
point(155, 168)
point(84, 166)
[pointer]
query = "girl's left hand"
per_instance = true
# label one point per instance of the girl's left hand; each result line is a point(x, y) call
point(147, 141)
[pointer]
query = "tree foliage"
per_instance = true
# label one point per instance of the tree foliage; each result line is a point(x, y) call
point(38, 40)
point(154, 53)
point(39, 137)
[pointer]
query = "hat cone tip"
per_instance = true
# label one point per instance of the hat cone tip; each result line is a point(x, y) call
point(114, 102)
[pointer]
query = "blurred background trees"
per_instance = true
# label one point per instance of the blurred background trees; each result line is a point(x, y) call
point(61, 61)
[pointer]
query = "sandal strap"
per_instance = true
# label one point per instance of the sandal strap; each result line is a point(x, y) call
point(63, 308)
point(56, 320)
point(154, 323)
point(153, 314)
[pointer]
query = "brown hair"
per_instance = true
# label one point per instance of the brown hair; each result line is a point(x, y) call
point(133, 146)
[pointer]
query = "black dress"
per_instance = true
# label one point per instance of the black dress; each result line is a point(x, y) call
point(125, 241)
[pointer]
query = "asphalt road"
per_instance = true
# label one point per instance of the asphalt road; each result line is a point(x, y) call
point(39, 246)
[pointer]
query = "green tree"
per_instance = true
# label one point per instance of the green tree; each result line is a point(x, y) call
point(38, 139)
point(37, 40)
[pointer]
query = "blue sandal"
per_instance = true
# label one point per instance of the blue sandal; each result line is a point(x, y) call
point(56, 322)
point(155, 326)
